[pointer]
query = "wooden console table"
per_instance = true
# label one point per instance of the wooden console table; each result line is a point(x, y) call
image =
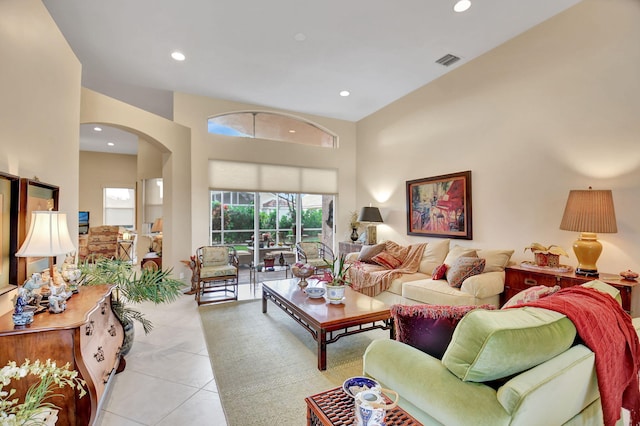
point(87, 335)
point(518, 278)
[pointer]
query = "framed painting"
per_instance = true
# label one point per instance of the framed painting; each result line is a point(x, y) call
point(34, 196)
point(9, 189)
point(440, 206)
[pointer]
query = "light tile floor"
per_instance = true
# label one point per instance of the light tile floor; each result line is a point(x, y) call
point(168, 379)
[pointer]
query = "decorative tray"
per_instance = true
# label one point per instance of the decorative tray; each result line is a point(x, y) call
point(533, 266)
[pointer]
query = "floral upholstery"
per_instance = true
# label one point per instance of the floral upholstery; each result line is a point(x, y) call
point(217, 271)
point(315, 253)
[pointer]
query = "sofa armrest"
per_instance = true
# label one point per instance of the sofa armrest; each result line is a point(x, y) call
point(528, 395)
point(484, 285)
point(423, 382)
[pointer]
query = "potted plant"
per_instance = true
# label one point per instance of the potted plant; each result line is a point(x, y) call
point(36, 408)
point(147, 285)
point(337, 279)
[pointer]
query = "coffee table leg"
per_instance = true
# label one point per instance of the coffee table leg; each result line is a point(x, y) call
point(322, 350)
point(264, 301)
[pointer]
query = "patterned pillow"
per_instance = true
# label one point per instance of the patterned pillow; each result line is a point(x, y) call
point(368, 252)
point(440, 272)
point(531, 294)
point(387, 260)
point(428, 327)
point(463, 268)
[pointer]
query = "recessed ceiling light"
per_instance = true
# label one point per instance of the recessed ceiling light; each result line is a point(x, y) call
point(178, 56)
point(299, 37)
point(97, 129)
point(344, 93)
point(111, 144)
point(462, 5)
point(292, 131)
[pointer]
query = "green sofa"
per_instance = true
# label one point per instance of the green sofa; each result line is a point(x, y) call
point(502, 367)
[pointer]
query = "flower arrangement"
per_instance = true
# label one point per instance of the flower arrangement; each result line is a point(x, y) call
point(36, 400)
point(354, 220)
point(338, 273)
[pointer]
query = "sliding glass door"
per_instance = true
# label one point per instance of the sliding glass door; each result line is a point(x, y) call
point(262, 220)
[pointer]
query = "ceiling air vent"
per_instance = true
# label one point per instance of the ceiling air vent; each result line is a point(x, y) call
point(448, 59)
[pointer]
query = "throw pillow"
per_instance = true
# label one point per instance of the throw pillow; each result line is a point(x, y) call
point(459, 251)
point(531, 294)
point(497, 260)
point(440, 272)
point(463, 268)
point(387, 260)
point(428, 327)
point(368, 252)
point(396, 250)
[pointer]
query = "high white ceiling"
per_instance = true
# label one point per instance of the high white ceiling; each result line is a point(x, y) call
point(295, 55)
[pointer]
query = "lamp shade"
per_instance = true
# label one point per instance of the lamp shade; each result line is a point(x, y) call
point(589, 211)
point(48, 236)
point(370, 214)
point(157, 225)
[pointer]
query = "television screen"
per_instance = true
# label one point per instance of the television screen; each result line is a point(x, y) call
point(83, 218)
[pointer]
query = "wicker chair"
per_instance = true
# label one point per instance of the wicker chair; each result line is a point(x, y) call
point(316, 254)
point(217, 272)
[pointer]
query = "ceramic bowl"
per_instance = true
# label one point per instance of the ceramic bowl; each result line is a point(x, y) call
point(315, 292)
point(353, 385)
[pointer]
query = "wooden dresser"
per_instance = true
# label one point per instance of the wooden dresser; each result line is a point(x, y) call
point(87, 335)
point(518, 278)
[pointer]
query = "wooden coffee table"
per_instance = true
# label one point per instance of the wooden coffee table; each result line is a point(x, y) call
point(326, 322)
point(335, 408)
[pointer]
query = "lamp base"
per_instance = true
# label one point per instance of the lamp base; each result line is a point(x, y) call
point(587, 272)
point(372, 235)
point(587, 250)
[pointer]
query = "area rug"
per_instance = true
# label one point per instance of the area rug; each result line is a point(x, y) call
point(266, 364)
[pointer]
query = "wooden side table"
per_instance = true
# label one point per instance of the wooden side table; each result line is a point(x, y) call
point(518, 278)
point(335, 408)
point(146, 260)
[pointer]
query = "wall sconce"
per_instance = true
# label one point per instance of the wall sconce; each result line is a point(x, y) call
point(372, 216)
point(589, 212)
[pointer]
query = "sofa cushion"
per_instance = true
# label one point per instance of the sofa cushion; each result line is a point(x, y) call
point(368, 252)
point(489, 345)
point(530, 294)
point(428, 327)
point(434, 254)
point(387, 260)
point(497, 260)
point(463, 268)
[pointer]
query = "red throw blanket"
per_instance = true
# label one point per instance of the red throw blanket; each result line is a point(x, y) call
point(608, 331)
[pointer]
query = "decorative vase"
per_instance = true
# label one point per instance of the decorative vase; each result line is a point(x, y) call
point(129, 334)
point(335, 293)
point(281, 260)
point(303, 274)
point(354, 234)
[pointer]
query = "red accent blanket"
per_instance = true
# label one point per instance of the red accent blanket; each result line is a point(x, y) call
point(608, 331)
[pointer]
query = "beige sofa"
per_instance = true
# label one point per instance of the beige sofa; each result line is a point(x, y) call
point(419, 287)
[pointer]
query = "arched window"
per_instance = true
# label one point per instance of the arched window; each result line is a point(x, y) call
point(272, 126)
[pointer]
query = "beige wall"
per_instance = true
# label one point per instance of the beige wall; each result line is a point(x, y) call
point(101, 170)
point(39, 104)
point(552, 110)
point(173, 140)
point(193, 111)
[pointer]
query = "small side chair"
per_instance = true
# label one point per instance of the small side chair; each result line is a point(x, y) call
point(217, 272)
point(316, 254)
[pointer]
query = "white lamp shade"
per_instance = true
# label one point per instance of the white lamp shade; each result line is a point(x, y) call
point(48, 236)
